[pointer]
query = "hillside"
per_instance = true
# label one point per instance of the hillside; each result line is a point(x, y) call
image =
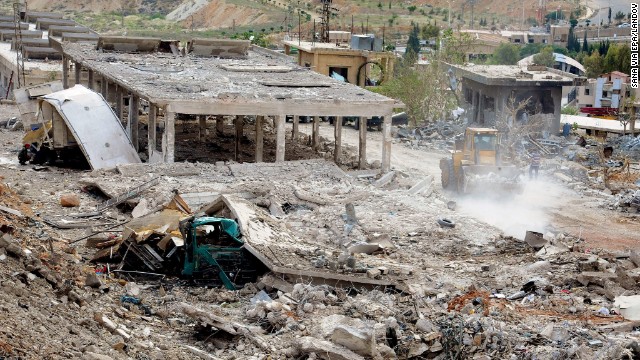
point(145, 17)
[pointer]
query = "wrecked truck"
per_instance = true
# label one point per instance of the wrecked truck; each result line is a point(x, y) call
point(213, 248)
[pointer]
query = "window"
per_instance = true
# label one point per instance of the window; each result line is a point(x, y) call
point(468, 95)
point(530, 40)
point(485, 141)
point(544, 41)
point(489, 103)
point(516, 41)
point(587, 91)
point(339, 73)
point(604, 94)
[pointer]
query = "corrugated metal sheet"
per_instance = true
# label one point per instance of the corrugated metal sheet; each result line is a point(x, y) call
point(95, 127)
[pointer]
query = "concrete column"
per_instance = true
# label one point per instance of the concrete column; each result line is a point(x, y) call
point(77, 67)
point(220, 125)
point(296, 127)
point(169, 136)
point(238, 122)
point(151, 134)
point(556, 95)
point(481, 105)
point(474, 106)
point(134, 106)
point(259, 139)
point(120, 103)
point(362, 148)
point(104, 88)
point(65, 72)
point(90, 82)
point(280, 137)
point(202, 128)
point(337, 132)
point(386, 143)
point(315, 133)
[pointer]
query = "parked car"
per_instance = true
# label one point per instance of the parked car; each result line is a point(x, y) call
point(624, 25)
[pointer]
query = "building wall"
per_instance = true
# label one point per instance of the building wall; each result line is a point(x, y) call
point(589, 100)
point(33, 76)
point(484, 103)
point(321, 62)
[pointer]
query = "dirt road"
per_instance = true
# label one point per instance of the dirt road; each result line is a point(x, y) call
point(545, 205)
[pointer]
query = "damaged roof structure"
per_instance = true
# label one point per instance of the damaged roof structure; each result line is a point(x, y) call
point(487, 89)
point(218, 78)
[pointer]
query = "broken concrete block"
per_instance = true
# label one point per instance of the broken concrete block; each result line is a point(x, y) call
point(325, 349)
point(359, 341)
point(386, 352)
point(96, 240)
point(104, 321)
point(555, 333)
point(69, 200)
point(385, 179)
point(11, 246)
point(635, 258)
point(424, 186)
point(417, 349)
point(595, 278)
point(141, 209)
point(94, 356)
point(424, 325)
point(92, 280)
point(373, 273)
point(363, 248)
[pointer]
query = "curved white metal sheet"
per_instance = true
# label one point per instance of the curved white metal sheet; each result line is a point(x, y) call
point(95, 127)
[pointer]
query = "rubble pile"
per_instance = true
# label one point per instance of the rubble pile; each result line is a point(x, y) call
point(439, 136)
point(346, 266)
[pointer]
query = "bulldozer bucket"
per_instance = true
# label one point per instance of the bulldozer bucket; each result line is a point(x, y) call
point(490, 179)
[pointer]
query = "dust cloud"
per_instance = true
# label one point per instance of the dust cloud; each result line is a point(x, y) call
point(515, 214)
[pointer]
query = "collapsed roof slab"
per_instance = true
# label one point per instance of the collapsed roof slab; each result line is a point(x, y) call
point(204, 86)
point(182, 83)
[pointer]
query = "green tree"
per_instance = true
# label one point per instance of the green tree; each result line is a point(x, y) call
point(454, 46)
point(426, 91)
point(429, 31)
point(389, 5)
point(413, 44)
point(545, 57)
point(593, 64)
point(619, 16)
point(585, 45)
point(380, 5)
point(609, 15)
point(411, 9)
point(506, 54)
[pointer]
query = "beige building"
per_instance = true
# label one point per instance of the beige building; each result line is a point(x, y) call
point(487, 90)
point(359, 67)
point(607, 95)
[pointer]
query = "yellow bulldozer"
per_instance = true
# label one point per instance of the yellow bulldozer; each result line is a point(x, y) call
point(476, 165)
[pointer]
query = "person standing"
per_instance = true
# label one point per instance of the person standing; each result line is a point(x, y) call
point(535, 165)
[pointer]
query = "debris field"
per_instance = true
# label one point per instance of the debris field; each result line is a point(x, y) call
point(345, 265)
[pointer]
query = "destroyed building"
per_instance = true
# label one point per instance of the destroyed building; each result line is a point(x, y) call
point(213, 79)
point(26, 57)
point(347, 56)
point(487, 89)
